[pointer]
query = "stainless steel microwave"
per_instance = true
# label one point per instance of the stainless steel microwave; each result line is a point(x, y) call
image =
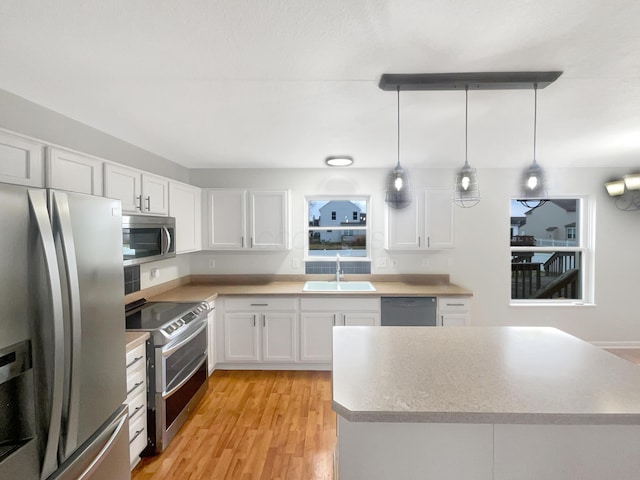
point(147, 238)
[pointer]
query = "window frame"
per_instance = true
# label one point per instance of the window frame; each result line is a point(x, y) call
point(585, 232)
point(366, 228)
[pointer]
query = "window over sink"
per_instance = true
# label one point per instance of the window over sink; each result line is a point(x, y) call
point(551, 251)
point(337, 225)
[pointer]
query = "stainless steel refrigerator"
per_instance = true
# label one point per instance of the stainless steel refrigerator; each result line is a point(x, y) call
point(62, 337)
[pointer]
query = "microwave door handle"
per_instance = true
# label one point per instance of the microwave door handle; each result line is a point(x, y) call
point(167, 240)
point(62, 226)
point(39, 211)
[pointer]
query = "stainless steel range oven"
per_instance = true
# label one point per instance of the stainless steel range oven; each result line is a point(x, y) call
point(177, 364)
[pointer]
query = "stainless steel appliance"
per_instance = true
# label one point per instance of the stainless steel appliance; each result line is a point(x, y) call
point(62, 340)
point(409, 311)
point(177, 363)
point(147, 239)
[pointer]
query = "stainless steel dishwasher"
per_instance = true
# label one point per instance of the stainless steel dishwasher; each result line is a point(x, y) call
point(409, 311)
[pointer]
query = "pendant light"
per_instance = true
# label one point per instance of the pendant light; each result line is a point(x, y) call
point(533, 178)
point(466, 192)
point(398, 194)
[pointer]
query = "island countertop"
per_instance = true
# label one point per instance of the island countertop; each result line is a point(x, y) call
point(508, 375)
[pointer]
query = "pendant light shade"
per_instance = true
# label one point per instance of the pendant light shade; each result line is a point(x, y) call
point(398, 190)
point(467, 193)
point(533, 178)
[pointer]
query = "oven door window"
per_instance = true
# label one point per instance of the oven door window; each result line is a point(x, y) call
point(182, 362)
point(141, 242)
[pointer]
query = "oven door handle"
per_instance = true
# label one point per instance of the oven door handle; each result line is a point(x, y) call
point(166, 395)
point(169, 351)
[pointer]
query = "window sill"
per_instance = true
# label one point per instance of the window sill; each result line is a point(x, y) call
point(557, 303)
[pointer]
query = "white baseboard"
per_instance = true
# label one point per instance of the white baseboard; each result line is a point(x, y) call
point(632, 344)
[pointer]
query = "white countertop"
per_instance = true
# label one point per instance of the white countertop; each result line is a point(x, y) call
point(518, 375)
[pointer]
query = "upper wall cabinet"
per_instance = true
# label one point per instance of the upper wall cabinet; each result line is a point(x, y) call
point(21, 161)
point(426, 224)
point(247, 219)
point(74, 172)
point(139, 192)
point(185, 204)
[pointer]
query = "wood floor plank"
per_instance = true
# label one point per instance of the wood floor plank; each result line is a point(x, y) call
point(254, 425)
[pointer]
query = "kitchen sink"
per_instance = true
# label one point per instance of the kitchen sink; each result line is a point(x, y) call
point(325, 286)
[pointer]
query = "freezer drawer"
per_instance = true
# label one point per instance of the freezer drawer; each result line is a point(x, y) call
point(104, 457)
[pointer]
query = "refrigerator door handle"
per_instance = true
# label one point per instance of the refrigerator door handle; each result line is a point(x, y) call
point(62, 226)
point(40, 213)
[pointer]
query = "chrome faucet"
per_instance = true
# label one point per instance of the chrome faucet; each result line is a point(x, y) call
point(338, 271)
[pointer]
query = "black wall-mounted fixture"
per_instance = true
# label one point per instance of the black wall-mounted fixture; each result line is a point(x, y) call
point(626, 192)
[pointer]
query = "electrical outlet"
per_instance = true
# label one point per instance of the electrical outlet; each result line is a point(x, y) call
point(425, 262)
point(394, 263)
point(155, 273)
point(295, 263)
point(381, 262)
point(212, 263)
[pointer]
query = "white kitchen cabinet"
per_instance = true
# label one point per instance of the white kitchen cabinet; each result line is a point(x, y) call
point(137, 401)
point(139, 192)
point(74, 172)
point(211, 338)
point(260, 329)
point(318, 316)
point(247, 219)
point(21, 161)
point(425, 224)
point(453, 311)
point(185, 204)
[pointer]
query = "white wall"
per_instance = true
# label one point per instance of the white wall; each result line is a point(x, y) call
point(481, 259)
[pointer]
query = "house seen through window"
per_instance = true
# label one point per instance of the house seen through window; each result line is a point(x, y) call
point(549, 250)
point(337, 226)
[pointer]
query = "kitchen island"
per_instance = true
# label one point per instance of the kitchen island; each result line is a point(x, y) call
point(497, 403)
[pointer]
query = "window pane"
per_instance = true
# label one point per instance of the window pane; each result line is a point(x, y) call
point(545, 275)
point(348, 243)
point(552, 224)
point(329, 213)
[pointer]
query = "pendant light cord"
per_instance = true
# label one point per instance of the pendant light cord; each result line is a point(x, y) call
point(535, 118)
point(466, 124)
point(398, 103)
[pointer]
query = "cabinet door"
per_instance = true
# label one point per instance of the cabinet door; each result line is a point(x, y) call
point(405, 227)
point(226, 212)
point(155, 192)
point(74, 172)
point(21, 161)
point(279, 334)
point(269, 218)
point(185, 204)
point(316, 336)
point(241, 337)
point(123, 184)
point(454, 319)
point(211, 338)
point(439, 218)
point(366, 319)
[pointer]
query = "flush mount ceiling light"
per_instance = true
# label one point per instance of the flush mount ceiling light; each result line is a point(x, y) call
point(626, 192)
point(466, 193)
point(339, 161)
point(481, 81)
point(398, 191)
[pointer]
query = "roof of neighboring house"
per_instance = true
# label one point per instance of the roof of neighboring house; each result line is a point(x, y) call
point(568, 205)
point(340, 201)
point(518, 221)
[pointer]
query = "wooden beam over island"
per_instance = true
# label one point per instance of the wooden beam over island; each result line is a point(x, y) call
point(487, 403)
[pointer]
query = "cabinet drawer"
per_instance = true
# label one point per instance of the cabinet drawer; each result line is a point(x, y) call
point(453, 304)
point(137, 438)
point(261, 304)
point(137, 405)
point(136, 382)
point(331, 304)
point(135, 357)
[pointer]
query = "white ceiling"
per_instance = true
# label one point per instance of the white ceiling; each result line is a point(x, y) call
point(285, 83)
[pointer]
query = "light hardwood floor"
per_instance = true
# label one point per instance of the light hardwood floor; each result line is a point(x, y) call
point(253, 425)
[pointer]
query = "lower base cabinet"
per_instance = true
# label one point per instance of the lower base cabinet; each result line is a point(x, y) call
point(453, 311)
point(136, 361)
